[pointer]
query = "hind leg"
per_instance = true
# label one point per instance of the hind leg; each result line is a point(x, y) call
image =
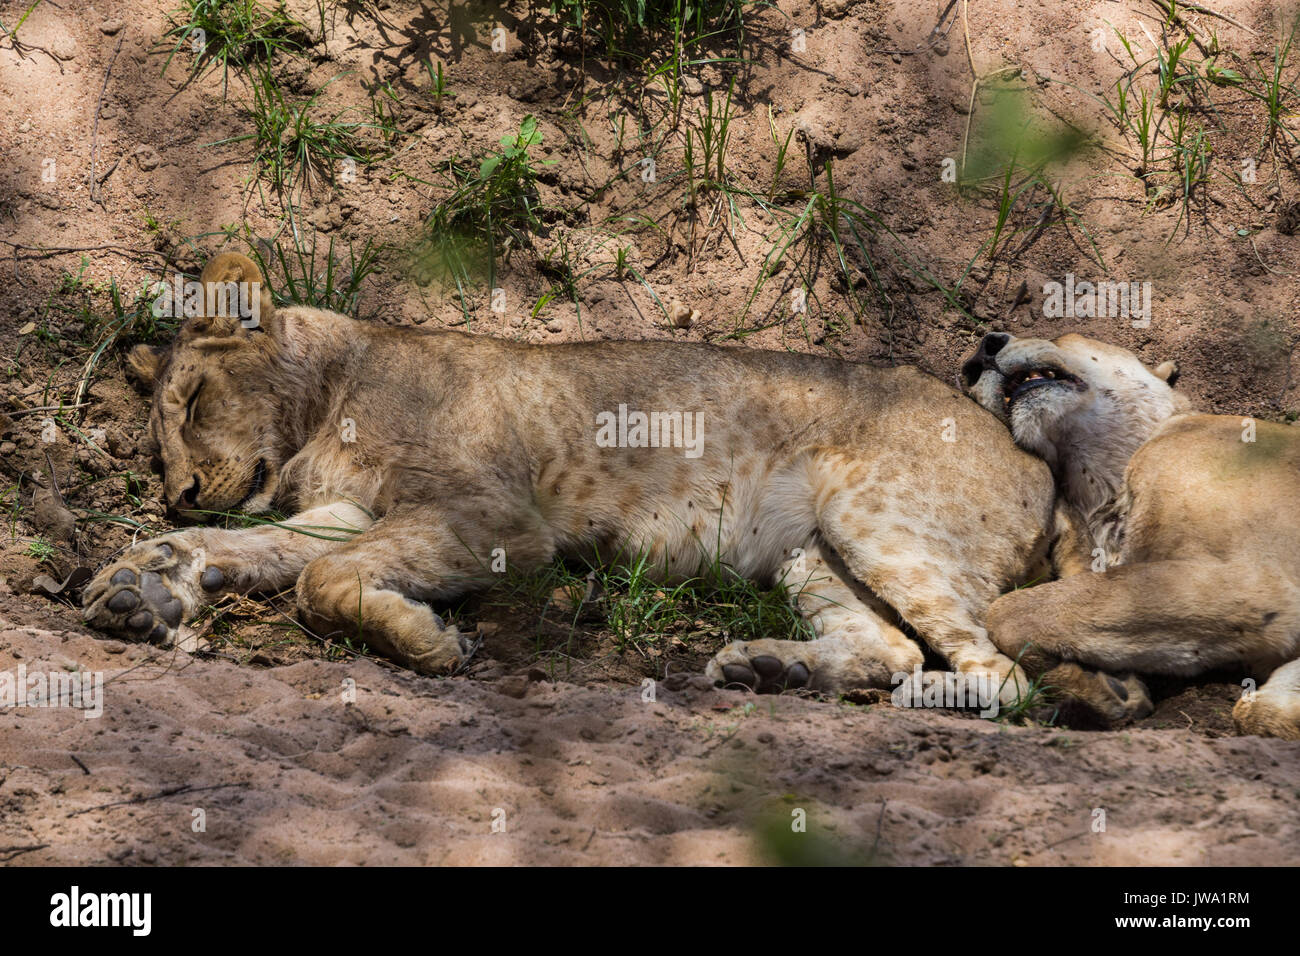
point(942, 585)
point(946, 604)
point(936, 583)
point(1274, 709)
point(855, 646)
point(373, 589)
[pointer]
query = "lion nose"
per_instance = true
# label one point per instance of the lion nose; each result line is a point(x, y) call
point(993, 343)
point(188, 499)
point(990, 345)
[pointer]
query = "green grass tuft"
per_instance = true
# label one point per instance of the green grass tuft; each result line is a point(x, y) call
point(232, 33)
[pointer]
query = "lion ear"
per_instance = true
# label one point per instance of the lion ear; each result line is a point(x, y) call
point(1167, 371)
point(236, 299)
point(145, 363)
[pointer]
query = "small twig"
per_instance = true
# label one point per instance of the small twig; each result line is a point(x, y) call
point(1022, 296)
point(45, 252)
point(14, 851)
point(45, 408)
point(934, 33)
point(77, 761)
point(1197, 8)
point(169, 792)
point(965, 32)
point(1066, 839)
point(51, 251)
point(94, 137)
point(1155, 45)
point(975, 83)
point(1265, 264)
point(54, 481)
point(880, 825)
point(1036, 230)
point(21, 48)
point(109, 172)
point(145, 662)
point(83, 384)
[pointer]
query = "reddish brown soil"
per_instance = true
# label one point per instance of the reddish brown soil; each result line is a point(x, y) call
point(584, 770)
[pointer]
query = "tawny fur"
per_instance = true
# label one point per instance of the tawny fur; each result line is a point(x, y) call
point(1196, 519)
point(411, 457)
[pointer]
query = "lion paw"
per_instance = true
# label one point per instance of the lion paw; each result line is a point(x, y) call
point(1089, 698)
point(438, 652)
point(766, 667)
point(149, 591)
point(1263, 715)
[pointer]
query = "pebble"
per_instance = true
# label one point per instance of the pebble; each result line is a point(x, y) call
point(683, 316)
point(63, 46)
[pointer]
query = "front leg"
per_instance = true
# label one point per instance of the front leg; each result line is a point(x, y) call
point(159, 583)
point(376, 588)
point(1179, 618)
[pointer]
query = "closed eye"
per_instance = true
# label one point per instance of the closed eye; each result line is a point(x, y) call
point(189, 406)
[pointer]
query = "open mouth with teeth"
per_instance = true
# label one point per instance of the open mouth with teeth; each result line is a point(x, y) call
point(1025, 381)
point(259, 482)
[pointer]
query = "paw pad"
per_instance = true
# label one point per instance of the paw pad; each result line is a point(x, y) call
point(123, 601)
point(145, 595)
point(766, 675)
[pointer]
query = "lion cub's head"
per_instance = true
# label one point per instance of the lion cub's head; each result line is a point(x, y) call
point(1078, 403)
point(220, 393)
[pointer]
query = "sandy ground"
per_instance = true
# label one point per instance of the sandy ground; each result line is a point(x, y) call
point(584, 770)
point(458, 771)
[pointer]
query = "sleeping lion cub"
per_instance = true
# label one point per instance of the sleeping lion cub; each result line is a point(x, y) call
point(418, 462)
point(1195, 518)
